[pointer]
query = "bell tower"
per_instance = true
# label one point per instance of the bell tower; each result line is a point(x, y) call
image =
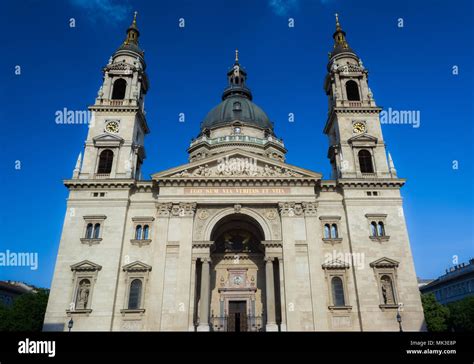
point(115, 143)
point(356, 145)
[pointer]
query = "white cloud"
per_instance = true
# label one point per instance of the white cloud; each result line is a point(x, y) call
point(109, 10)
point(283, 7)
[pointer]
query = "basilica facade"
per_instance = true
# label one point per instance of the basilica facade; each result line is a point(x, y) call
point(237, 239)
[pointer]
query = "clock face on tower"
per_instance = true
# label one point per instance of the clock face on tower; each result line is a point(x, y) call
point(112, 127)
point(358, 127)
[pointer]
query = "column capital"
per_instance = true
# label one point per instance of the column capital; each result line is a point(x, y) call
point(163, 209)
point(290, 209)
point(183, 209)
point(269, 259)
point(206, 260)
point(310, 208)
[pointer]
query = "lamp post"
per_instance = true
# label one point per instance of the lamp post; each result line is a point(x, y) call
point(399, 320)
point(70, 324)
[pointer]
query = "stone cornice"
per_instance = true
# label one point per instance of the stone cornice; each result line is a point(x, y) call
point(236, 182)
point(99, 183)
point(373, 182)
point(272, 243)
point(202, 244)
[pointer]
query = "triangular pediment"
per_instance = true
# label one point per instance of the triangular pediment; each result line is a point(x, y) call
point(336, 264)
point(363, 139)
point(108, 140)
point(86, 266)
point(233, 164)
point(384, 263)
point(137, 267)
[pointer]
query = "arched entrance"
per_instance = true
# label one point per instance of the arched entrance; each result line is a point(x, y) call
point(243, 285)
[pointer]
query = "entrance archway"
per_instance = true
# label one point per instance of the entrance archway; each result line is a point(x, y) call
point(241, 285)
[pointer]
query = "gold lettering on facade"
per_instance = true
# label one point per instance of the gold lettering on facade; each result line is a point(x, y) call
point(237, 191)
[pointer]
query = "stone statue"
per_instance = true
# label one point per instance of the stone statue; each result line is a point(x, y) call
point(387, 292)
point(83, 295)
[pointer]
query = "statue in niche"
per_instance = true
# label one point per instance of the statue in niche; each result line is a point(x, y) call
point(387, 291)
point(83, 295)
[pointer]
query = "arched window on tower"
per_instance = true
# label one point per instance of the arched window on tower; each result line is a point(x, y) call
point(380, 229)
point(352, 91)
point(327, 231)
point(97, 231)
point(146, 230)
point(105, 161)
point(118, 92)
point(89, 231)
point(334, 234)
point(134, 297)
point(373, 228)
point(138, 232)
point(365, 161)
point(337, 292)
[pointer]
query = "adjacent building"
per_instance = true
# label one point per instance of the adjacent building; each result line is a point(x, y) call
point(456, 284)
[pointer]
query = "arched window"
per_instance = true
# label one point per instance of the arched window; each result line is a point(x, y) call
point(118, 92)
point(138, 232)
point(373, 228)
point(96, 231)
point(146, 230)
point(352, 91)
point(334, 231)
point(380, 229)
point(89, 231)
point(388, 294)
point(105, 161)
point(134, 296)
point(337, 292)
point(327, 231)
point(365, 161)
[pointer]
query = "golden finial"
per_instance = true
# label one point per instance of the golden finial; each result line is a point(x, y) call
point(338, 26)
point(236, 56)
point(339, 36)
point(135, 18)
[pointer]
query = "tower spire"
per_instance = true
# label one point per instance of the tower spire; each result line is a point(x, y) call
point(236, 56)
point(132, 31)
point(339, 35)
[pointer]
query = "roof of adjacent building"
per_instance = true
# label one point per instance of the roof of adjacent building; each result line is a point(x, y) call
point(457, 272)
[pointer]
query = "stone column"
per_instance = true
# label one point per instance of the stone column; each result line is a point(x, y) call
point(270, 288)
point(205, 294)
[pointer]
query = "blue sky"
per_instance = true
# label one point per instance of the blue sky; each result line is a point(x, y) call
point(410, 69)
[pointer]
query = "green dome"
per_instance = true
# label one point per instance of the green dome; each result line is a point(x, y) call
point(237, 107)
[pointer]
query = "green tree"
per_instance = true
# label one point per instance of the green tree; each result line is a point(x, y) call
point(26, 313)
point(462, 314)
point(436, 315)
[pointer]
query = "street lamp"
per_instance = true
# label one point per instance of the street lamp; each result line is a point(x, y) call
point(70, 324)
point(399, 320)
